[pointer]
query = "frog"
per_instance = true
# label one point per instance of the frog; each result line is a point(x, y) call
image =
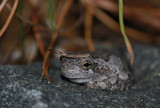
point(99, 70)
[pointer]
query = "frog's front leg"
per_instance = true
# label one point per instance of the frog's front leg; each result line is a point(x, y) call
point(109, 83)
point(97, 84)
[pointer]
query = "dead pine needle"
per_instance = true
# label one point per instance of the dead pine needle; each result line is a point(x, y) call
point(36, 29)
point(112, 24)
point(9, 18)
point(3, 4)
point(64, 12)
point(88, 27)
point(37, 34)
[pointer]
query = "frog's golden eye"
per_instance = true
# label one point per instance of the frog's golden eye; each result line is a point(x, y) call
point(87, 65)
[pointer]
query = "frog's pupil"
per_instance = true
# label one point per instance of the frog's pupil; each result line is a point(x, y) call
point(87, 64)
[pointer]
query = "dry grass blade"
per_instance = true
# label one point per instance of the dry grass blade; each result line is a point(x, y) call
point(88, 27)
point(54, 37)
point(9, 18)
point(3, 4)
point(135, 34)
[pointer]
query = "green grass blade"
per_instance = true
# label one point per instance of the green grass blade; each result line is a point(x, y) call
point(51, 15)
point(21, 30)
point(129, 47)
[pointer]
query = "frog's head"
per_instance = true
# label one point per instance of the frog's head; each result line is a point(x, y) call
point(76, 66)
point(77, 69)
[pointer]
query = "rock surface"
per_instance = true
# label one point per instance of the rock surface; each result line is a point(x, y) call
point(21, 86)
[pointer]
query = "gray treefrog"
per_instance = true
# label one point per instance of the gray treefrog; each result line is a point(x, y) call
point(99, 69)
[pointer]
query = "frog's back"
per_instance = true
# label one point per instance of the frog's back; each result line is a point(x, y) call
point(103, 54)
point(114, 68)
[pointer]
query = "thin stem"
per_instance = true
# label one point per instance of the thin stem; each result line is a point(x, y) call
point(21, 32)
point(3, 4)
point(129, 47)
point(88, 27)
point(9, 18)
point(54, 37)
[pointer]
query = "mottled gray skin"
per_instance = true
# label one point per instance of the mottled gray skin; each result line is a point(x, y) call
point(103, 70)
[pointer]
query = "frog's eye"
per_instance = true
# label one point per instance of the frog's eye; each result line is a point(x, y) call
point(87, 65)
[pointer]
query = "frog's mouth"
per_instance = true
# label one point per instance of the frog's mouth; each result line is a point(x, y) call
point(80, 80)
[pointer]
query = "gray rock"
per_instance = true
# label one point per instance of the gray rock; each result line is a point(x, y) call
point(21, 86)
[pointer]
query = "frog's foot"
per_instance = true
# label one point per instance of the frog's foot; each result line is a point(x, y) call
point(96, 85)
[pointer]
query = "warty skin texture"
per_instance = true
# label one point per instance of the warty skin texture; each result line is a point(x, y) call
point(101, 69)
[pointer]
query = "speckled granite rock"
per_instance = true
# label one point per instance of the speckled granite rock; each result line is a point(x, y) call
point(21, 86)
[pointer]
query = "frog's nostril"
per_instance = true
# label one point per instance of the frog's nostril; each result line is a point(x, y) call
point(63, 59)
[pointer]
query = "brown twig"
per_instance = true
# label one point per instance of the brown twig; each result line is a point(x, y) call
point(36, 29)
point(3, 4)
point(88, 26)
point(9, 18)
point(54, 37)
